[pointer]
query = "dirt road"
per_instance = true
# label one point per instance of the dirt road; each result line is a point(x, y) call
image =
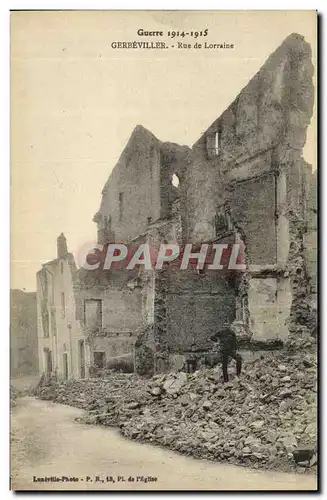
point(48, 443)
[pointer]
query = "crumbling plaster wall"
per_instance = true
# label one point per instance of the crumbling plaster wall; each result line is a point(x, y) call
point(121, 316)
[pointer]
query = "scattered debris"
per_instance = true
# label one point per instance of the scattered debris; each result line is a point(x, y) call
point(256, 420)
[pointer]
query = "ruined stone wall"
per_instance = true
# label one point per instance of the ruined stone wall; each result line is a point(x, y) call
point(258, 121)
point(113, 345)
point(248, 164)
point(131, 196)
point(197, 305)
point(151, 349)
point(62, 292)
point(63, 331)
point(175, 161)
point(121, 306)
point(253, 208)
point(247, 169)
point(44, 341)
point(139, 189)
point(310, 236)
point(302, 257)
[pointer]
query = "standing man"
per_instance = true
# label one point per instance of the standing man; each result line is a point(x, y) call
point(228, 349)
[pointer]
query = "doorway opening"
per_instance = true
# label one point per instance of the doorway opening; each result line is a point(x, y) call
point(65, 365)
point(48, 361)
point(81, 346)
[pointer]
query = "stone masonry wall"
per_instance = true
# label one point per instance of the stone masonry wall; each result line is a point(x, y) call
point(132, 193)
point(121, 317)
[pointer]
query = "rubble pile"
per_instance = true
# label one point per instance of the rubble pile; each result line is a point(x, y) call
point(102, 398)
point(14, 394)
point(258, 419)
point(265, 418)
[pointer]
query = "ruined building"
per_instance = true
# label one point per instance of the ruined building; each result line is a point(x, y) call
point(245, 180)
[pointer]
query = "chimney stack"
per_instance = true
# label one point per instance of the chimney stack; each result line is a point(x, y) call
point(61, 246)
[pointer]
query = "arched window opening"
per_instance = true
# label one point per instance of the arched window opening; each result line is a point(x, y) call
point(217, 143)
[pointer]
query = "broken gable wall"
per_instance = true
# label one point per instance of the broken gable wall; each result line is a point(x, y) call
point(139, 189)
point(131, 196)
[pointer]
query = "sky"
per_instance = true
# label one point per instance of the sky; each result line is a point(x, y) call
point(75, 101)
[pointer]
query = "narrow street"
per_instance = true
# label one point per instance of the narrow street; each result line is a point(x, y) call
point(47, 442)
